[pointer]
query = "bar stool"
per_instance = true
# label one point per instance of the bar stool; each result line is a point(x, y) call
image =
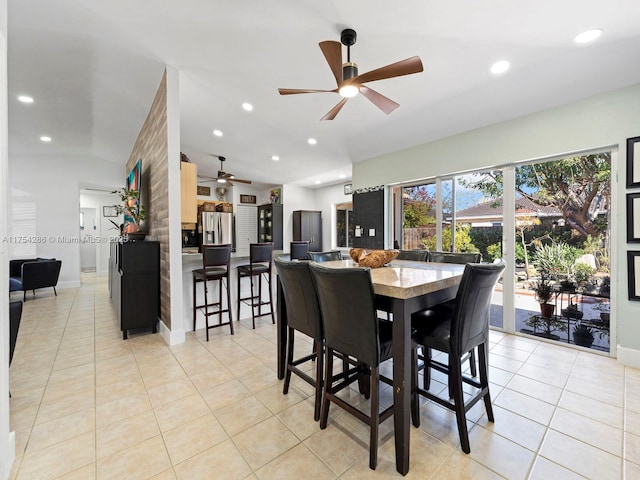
point(298, 250)
point(260, 263)
point(216, 266)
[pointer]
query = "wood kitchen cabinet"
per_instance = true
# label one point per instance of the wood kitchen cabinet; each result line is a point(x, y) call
point(307, 226)
point(188, 192)
point(270, 224)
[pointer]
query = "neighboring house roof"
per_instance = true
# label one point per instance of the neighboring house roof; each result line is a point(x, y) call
point(493, 209)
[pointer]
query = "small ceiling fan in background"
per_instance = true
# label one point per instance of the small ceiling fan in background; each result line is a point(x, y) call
point(223, 177)
point(348, 80)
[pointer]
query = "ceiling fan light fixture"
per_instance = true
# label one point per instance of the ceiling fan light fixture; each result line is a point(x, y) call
point(348, 91)
point(221, 180)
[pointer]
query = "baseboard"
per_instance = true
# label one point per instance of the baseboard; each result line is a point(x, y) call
point(172, 337)
point(628, 356)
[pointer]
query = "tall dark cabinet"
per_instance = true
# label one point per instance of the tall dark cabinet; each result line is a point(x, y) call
point(270, 224)
point(307, 226)
point(134, 284)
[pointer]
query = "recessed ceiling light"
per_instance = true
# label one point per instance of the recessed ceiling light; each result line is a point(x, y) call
point(588, 36)
point(25, 99)
point(312, 141)
point(275, 158)
point(45, 138)
point(343, 176)
point(318, 182)
point(247, 106)
point(217, 133)
point(500, 67)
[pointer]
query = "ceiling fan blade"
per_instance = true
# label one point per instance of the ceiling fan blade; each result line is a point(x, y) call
point(293, 91)
point(383, 103)
point(403, 67)
point(334, 111)
point(332, 52)
point(239, 180)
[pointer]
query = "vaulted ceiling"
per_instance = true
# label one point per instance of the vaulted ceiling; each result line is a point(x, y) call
point(93, 69)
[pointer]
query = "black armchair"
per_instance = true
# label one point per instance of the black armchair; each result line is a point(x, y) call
point(34, 273)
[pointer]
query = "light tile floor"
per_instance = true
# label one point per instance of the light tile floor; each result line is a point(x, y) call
point(87, 404)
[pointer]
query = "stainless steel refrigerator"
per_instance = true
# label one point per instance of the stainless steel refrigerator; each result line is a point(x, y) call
point(217, 228)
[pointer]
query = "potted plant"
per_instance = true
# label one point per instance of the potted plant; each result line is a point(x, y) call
point(583, 335)
point(543, 289)
point(604, 308)
point(134, 213)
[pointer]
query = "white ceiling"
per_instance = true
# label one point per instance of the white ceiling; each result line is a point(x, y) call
point(93, 68)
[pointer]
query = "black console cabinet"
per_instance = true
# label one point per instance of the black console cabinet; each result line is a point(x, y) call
point(307, 226)
point(134, 284)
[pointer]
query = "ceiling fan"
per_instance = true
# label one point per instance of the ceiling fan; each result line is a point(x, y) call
point(223, 177)
point(348, 80)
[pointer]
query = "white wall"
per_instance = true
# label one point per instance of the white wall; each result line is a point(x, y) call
point(600, 121)
point(104, 228)
point(53, 184)
point(326, 200)
point(7, 439)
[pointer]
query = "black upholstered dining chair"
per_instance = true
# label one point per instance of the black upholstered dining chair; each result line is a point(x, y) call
point(303, 315)
point(460, 258)
point(298, 250)
point(216, 266)
point(351, 327)
point(456, 331)
point(416, 255)
point(455, 257)
point(325, 256)
point(260, 263)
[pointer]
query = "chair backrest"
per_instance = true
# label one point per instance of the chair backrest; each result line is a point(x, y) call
point(216, 256)
point(417, 255)
point(40, 273)
point(470, 321)
point(15, 314)
point(298, 250)
point(325, 256)
point(260, 253)
point(457, 257)
point(303, 310)
point(349, 317)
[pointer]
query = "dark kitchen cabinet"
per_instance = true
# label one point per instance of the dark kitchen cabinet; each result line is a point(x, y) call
point(307, 226)
point(134, 281)
point(270, 224)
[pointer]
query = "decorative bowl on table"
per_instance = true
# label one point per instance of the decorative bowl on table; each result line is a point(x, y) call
point(372, 258)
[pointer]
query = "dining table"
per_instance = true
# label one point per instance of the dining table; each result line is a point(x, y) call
point(402, 287)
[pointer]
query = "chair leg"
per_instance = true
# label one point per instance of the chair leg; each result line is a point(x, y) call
point(328, 380)
point(375, 419)
point(228, 300)
point(206, 308)
point(273, 317)
point(253, 315)
point(239, 295)
point(426, 374)
point(455, 390)
point(319, 380)
point(194, 304)
point(415, 407)
point(287, 375)
point(54, 291)
point(472, 362)
point(484, 378)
